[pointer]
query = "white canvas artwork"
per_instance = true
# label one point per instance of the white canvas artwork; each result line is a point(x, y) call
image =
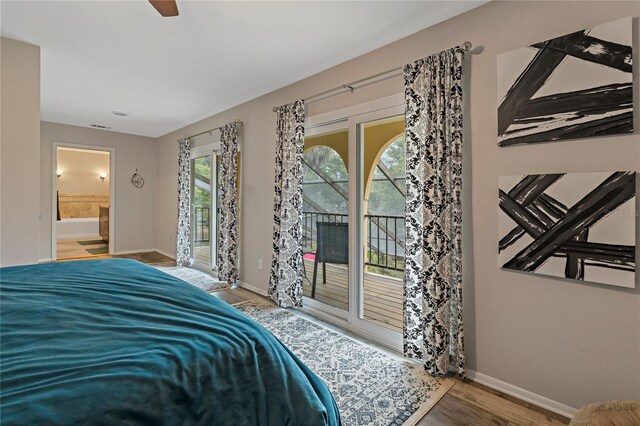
point(580, 226)
point(575, 86)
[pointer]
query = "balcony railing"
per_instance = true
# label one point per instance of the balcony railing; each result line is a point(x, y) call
point(384, 237)
point(201, 220)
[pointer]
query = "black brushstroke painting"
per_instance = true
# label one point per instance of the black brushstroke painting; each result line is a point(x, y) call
point(602, 106)
point(537, 226)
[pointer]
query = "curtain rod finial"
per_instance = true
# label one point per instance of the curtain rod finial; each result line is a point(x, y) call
point(467, 45)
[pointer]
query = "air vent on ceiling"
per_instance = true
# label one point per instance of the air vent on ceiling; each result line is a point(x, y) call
point(100, 126)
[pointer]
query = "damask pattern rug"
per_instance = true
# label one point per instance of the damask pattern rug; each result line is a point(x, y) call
point(371, 387)
point(194, 277)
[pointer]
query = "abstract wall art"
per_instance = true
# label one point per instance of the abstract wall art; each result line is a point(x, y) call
point(575, 86)
point(580, 226)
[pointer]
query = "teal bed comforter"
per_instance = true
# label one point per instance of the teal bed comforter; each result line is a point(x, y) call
point(114, 341)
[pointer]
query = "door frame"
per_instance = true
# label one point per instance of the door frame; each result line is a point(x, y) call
point(349, 118)
point(54, 188)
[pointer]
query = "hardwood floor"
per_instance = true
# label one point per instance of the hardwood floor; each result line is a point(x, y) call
point(470, 403)
point(467, 403)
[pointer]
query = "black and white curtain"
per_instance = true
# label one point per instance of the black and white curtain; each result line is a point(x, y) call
point(285, 282)
point(227, 257)
point(183, 237)
point(433, 329)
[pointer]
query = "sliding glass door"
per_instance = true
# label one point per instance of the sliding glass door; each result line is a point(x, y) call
point(203, 224)
point(326, 219)
point(354, 192)
point(381, 196)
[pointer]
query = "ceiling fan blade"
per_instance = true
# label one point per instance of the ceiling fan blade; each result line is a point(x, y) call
point(165, 7)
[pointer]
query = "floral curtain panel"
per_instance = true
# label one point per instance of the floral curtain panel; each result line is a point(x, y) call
point(183, 237)
point(285, 282)
point(227, 260)
point(433, 327)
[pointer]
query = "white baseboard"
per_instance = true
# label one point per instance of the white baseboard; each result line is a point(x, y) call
point(523, 394)
point(253, 288)
point(47, 260)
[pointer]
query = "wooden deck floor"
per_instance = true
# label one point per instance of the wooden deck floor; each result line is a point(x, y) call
point(382, 295)
point(202, 254)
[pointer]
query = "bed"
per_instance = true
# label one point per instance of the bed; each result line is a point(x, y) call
point(114, 341)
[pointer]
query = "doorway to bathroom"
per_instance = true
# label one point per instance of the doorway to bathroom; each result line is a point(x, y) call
point(82, 202)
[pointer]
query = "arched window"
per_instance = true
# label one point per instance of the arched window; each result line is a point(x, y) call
point(387, 188)
point(325, 184)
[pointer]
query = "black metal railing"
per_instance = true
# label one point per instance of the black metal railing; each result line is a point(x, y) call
point(384, 235)
point(385, 241)
point(201, 221)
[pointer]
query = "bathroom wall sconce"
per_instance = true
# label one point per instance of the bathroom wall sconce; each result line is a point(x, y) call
point(59, 173)
point(103, 176)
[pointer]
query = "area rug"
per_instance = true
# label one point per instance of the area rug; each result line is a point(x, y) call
point(371, 387)
point(194, 277)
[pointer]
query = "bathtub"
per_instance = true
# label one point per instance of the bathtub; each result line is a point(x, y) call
point(82, 227)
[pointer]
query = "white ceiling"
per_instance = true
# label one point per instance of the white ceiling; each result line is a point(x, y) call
point(101, 56)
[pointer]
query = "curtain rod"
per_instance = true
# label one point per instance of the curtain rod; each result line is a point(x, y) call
point(211, 130)
point(376, 78)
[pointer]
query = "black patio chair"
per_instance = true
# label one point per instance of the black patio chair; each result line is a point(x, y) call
point(333, 247)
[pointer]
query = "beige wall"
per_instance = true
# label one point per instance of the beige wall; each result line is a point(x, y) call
point(570, 342)
point(19, 151)
point(134, 208)
point(81, 171)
